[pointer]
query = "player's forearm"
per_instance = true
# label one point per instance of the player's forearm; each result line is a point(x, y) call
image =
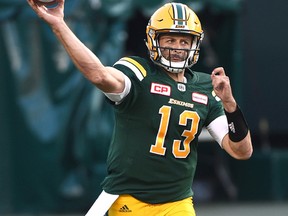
point(238, 140)
point(83, 58)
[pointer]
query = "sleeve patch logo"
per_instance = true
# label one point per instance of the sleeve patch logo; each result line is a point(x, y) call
point(200, 98)
point(160, 89)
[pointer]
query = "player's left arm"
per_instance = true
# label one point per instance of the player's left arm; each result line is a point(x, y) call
point(241, 150)
point(237, 142)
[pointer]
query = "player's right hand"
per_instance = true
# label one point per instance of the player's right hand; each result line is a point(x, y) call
point(222, 88)
point(51, 15)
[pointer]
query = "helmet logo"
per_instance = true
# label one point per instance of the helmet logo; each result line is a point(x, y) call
point(180, 26)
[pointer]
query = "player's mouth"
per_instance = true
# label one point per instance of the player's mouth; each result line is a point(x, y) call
point(176, 58)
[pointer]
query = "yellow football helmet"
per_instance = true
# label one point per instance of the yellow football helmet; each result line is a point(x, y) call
point(174, 18)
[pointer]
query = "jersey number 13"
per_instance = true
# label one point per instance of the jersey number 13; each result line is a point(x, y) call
point(178, 152)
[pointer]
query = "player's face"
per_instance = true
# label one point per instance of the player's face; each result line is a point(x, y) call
point(175, 47)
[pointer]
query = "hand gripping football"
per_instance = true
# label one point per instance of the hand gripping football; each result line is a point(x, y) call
point(46, 2)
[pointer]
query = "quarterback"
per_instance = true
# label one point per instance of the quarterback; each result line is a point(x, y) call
point(161, 106)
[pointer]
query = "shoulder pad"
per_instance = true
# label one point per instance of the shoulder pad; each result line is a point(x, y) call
point(134, 66)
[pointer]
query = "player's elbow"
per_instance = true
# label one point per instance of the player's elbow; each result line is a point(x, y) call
point(245, 155)
point(248, 154)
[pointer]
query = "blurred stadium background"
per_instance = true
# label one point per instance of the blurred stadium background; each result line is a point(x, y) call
point(55, 127)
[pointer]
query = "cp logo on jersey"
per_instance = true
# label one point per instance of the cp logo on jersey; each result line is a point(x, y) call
point(157, 88)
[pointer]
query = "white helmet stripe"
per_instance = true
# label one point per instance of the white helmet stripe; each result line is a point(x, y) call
point(179, 14)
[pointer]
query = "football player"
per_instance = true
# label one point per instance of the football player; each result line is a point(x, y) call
point(161, 106)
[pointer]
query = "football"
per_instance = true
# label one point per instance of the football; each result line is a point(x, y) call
point(46, 2)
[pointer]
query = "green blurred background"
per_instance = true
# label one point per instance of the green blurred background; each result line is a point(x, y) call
point(55, 127)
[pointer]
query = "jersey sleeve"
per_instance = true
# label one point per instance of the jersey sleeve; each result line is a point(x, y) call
point(135, 69)
point(118, 97)
point(218, 128)
point(215, 107)
point(216, 122)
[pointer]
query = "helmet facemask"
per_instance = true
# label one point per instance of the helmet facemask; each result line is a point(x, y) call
point(188, 56)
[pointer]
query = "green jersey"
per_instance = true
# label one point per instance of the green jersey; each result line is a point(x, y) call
point(153, 153)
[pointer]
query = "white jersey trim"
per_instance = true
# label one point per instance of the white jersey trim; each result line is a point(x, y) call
point(118, 97)
point(102, 204)
point(218, 128)
point(132, 67)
